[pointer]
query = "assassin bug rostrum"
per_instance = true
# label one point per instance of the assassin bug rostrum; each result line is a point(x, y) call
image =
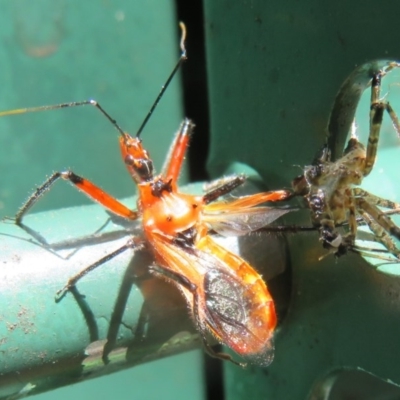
point(331, 192)
point(227, 297)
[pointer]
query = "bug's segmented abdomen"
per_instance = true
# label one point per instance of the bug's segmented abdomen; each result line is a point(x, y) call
point(241, 311)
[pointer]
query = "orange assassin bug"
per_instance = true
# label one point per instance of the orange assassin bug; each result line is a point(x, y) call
point(226, 296)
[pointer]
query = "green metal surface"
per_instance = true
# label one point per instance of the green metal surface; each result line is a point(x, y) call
point(145, 382)
point(274, 71)
point(120, 54)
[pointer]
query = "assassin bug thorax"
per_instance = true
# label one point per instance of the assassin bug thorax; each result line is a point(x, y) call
point(329, 187)
point(226, 296)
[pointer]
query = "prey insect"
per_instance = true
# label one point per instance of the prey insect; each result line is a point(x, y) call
point(226, 296)
point(331, 190)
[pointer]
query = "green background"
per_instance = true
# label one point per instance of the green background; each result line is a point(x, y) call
point(274, 69)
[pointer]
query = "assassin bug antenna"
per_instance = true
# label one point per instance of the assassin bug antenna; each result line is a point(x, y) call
point(182, 58)
point(94, 103)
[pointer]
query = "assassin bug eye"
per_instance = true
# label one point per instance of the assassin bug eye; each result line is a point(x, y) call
point(142, 167)
point(129, 160)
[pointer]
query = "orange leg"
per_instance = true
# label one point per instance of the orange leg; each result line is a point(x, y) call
point(244, 201)
point(249, 201)
point(259, 198)
point(173, 164)
point(85, 186)
point(225, 188)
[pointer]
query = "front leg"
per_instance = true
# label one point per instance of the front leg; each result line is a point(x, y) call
point(85, 186)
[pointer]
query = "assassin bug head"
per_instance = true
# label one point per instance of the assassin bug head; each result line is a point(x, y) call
point(136, 158)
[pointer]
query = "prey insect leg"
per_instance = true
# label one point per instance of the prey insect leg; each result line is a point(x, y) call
point(371, 253)
point(376, 115)
point(350, 237)
point(133, 243)
point(380, 224)
point(376, 200)
point(380, 235)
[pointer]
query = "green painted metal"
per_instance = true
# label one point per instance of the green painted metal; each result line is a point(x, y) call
point(119, 53)
point(274, 71)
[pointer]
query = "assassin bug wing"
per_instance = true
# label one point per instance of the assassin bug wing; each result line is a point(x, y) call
point(227, 296)
point(253, 200)
point(238, 217)
point(247, 202)
point(234, 288)
point(241, 222)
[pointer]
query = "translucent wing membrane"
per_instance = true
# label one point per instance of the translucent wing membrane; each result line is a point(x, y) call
point(240, 222)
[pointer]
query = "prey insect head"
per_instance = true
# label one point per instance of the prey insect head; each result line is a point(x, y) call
point(323, 155)
point(352, 145)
